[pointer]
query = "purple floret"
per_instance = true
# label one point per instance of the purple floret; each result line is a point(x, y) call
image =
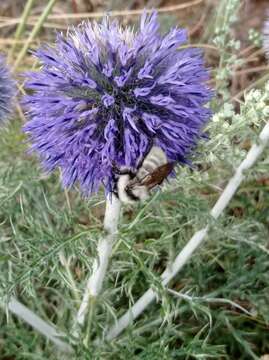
point(7, 91)
point(105, 95)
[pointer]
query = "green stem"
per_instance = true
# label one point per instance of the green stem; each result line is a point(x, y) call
point(21, 25)
point(74, 289)
point(92, 304)
point(34, 32)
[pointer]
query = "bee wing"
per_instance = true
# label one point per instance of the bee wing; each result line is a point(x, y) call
point(157, 176)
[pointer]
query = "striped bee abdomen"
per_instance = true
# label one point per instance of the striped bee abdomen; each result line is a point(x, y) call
point(155, 158)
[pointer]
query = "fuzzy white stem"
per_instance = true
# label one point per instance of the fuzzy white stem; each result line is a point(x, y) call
point(104, 249)
point(37, 323)
point(186, 253)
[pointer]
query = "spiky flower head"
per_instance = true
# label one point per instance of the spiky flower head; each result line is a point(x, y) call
point(105, 95)
point(7, 91)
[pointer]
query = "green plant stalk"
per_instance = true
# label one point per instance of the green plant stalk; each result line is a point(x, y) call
point(21, 25)
point(34, 33)
point(92, 304)
point(70, 277)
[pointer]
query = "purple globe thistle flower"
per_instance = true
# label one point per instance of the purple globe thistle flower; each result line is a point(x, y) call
point(105, 95)
point(7, 91)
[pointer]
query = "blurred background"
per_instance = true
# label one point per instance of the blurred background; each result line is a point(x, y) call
point(197, 16)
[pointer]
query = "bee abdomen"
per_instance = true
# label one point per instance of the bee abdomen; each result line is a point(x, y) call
point(155, 158)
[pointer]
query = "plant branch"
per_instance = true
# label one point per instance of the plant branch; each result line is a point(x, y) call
point(66, 264)
point(209, 300)
point(186, 253)
point(37, 323)
point(104, 249)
